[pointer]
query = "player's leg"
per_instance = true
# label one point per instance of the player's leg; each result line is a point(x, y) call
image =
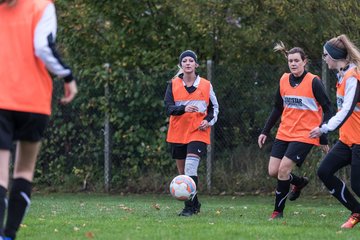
point(355, 185)
point(283, 186)
point(273, 167)
point(338, 157)
point(178, 152)
point(6, 138)
point(195, 150)
point(180, 164)
point(277, 153)
point(355, 169)
point(20, 192)
point(4, 179)
point(298, 152)
point(29, 130)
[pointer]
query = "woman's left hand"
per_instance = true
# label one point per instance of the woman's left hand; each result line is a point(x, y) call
point(325, 148)
point(204, 125)
point(315, 133)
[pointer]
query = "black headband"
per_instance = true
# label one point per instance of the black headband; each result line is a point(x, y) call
point(335, 52)
point(187, 53)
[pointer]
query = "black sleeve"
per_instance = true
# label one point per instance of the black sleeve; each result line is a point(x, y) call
point(322, 98)
point(275, 114)
point(170, 107)
point(210, 112)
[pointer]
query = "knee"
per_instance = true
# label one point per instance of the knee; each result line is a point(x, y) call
point(322, 173)
point(273, 173)
point(283, 173)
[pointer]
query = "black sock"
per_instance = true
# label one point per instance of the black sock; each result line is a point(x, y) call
point(282, 191)
point(19, 202)
point(3, 203)
point(195, 199)
point(295, 180)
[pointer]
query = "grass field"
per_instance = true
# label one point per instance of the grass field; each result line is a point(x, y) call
point(94, 216)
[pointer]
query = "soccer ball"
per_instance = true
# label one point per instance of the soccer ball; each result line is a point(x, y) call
point(182, 187)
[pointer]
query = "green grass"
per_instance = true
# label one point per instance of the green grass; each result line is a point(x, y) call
point(95, 216)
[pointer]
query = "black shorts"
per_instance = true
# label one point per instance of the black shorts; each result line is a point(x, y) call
point(23, 126)
point(179, 151)
point(296, 151)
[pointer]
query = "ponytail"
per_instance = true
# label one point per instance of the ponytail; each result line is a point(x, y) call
point(353, 55)
point(180, 71)
point(280, 46)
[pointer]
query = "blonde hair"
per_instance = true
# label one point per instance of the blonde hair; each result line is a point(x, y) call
point(280, 47)
point(344, 43)
point(180, 71)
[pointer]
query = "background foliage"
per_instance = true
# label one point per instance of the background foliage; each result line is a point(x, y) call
point(131, 48)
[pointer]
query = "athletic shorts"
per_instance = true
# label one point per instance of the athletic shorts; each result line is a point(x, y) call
point(179, 151)
point(296, 151)
point(23, 126)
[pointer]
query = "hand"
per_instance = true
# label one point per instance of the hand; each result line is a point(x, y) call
point(191, 108)
point(315, 133)
point(325, 148)
point(70, 90)
point(204, 125)
point(261, 140)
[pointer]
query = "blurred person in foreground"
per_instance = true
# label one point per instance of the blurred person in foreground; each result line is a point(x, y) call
point(302, 104)
point(343, 56)
point(27, 40)
point(191, 103)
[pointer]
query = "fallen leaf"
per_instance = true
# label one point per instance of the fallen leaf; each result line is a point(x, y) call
point(156, 206)
point(89, 235)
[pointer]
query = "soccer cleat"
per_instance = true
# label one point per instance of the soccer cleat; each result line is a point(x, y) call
point(190, 209)
point(296, 190)
point(276, 215)
point(187, 212)
point(197, 208)
point(352, 221)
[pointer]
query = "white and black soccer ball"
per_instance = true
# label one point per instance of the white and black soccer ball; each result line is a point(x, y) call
point(182, 187)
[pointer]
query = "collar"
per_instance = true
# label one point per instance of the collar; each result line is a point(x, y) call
point(340, 75)
point(196, 82)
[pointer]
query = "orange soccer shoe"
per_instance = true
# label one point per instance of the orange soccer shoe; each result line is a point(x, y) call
point(352, 221)
point(276, 215)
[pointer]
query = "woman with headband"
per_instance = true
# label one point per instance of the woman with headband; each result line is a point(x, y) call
point(342, 55)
